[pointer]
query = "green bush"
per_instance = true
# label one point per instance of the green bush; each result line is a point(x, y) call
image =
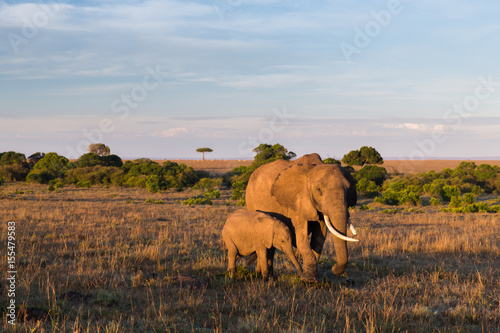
point(40, 176)
point(84, 184)
point(469, 198)
point(367, 188)
point(390, 211)
point(238, 188)
point(449, 191)
point(373, 173)
point(155, 183)
point(404, 196)
point(213, 194)
point(57, 183)
point(96, 175)
point(208, 184)
point(435, 201)
point(199, 200)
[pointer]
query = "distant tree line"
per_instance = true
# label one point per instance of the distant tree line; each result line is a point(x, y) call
point(96, 169)
point(458, 187)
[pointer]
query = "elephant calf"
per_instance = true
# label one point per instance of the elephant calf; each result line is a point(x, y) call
point(246, 233)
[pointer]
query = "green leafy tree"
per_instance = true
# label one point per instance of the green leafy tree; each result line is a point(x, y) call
point(51, 166)
point(353, 158)
point(99, 148)
point(11, 157)
point(365, 155)
point(203, 151)
point(92, 159)
point(265, 153)
point(34, 158)
point(371, 155)
point(88, 160)
point(13, 166)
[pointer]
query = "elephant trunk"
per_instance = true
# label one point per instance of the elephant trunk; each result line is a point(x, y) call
point(338, 227)
point(289, 252)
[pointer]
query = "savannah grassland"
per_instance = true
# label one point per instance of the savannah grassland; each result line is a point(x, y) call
point(126, 251)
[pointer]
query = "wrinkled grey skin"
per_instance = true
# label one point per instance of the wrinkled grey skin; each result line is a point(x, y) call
point(301, 193)
point(246, 233)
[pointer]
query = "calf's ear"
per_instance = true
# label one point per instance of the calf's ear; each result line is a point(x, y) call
point(264, 228)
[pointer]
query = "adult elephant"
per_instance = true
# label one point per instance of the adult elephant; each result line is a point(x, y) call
point(307, 193)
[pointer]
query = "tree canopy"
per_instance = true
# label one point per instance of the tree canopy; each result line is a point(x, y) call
point(365, 155)
point(100, 149)
point(204, 150)
point(267, 153)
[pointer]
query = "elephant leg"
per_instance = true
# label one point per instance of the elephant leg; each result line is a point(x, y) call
point(251, 259)
point(318, 236)
point(310, 271)
point(262, 262)
point(270, 259)
point(232, 254)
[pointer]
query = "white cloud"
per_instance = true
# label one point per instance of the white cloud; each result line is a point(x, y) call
point(172, 132)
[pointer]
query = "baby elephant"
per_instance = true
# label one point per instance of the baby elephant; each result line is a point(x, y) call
point(247, 233)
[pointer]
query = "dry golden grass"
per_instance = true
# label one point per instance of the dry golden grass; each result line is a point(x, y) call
point(413, 272)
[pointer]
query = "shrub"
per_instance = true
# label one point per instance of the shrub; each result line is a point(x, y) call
point(2, 181)
point(57, 183)
point(213, 194)
point(84, 184)
point(238, 188)
point(390, 211)
point(435, 201)
point(208, 184)
point(367, 188)
point(96, 175)
point(373, 173)
point(469, 198)
point(449, 191)
point(40, 176)
point(155, 183)
point(405, 196)
point(199, 200)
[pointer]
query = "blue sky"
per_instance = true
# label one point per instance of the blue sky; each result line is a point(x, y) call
point(414, 79)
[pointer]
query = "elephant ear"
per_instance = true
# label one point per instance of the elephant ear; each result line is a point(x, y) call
point(264, 227)
point(291, 191)
point(352, 196)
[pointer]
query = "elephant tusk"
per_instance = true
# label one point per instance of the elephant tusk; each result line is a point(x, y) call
point(336, 233)
point(353, 230)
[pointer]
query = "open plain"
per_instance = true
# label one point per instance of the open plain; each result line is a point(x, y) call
point(121, 259)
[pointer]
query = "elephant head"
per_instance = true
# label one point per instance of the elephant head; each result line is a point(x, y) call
point(314, 191)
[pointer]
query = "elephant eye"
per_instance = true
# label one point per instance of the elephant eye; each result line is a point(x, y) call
point(319, 191)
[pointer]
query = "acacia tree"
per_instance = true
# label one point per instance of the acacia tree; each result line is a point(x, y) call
point(204, 150)
point(99, 148)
